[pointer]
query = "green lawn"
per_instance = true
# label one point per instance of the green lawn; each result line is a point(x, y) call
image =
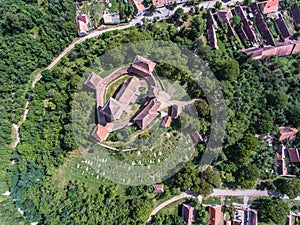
point(114, 86)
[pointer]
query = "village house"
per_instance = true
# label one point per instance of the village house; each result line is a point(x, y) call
point(166, 121)
point(188, 214)
point(283, 49)
point(245, 216)
point(281, 167)
point(139, 7)
point(269, 6)
point(215, 215)
point(211, 28)
point(283, 28)
point(158, 188)
point(161, 3)
point(287, 132)
point(294, 155)
point(246, 32)
point(101, 132)
point(295, 12)
point(224, 17)
point(111, 18)
point(82, 22)
point(262, 25)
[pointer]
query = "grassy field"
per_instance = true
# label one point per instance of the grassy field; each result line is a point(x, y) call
point(114, 86)
point(212, 201)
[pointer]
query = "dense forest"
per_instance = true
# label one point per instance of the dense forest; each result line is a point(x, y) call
point(31, 34)
point(260, 95)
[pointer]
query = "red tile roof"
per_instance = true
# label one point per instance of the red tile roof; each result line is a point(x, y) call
point(166, 122)
point(270, 6)
point(295, 11)
point(147, 114)
point(287, 132)
point(160, 3)
point(138, 6)
point(188, 214)
point(144, 65)
point(100, 132)
point(294, 155)
point(82, 25)
point(158, 188)
point(93, 81)
point(282, 49)
point(215, 215)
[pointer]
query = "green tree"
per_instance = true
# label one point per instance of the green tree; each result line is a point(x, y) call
point(273, 211)
point(289, 187)
point(178, 14)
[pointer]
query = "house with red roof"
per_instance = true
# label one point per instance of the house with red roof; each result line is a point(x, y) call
point(287, 132)
point(215, 215)
point(147, 114)
point(139, 7)
point(269, 6)
point(161, 3)
point(188, 214)
point(101, 132)
point(166, 121)
point(82, 22)
point(158, 188)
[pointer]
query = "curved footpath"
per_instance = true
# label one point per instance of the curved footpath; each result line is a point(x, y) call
point(168, 202)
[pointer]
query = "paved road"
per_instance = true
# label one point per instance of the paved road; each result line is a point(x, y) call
point(249, 193)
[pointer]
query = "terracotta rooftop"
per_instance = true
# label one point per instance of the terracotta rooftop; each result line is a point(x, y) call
point(166, 122)
point(262, 25)
point(282, 49)
point(270, 6)
point(294, 155)
point(215, 214)
point(147, 114)
point(93, 81)
point(82, 25)
point(211, 27)
point(295, 11)
point(143, 64)
point(188, 214)
point(158, 188)
point(160, 3)
point(100, 132)
point(246, 27)
point(287, 132)
point(138, 6)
